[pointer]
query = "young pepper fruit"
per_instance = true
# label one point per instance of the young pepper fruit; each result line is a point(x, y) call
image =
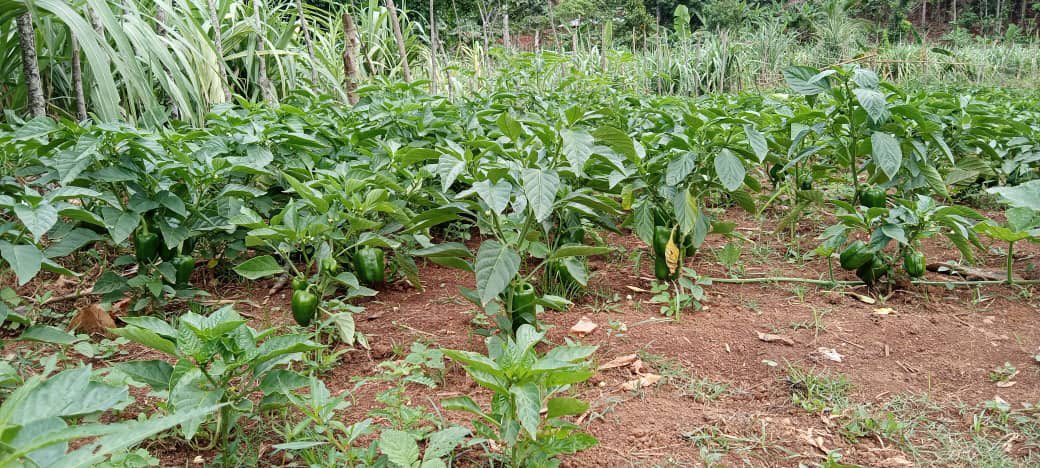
point(522, 308)
point(183, 265)
point(146, 245)
point(370, 266)
point(304, 306)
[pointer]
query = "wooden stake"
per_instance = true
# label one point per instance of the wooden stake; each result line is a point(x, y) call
point(30, 67)
point(349, 61)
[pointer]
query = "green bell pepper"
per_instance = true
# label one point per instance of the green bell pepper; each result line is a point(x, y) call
point(370, 266)
point(183, 265)
point(914, 263)
point(522, 310)
point(304, 306)
point(146, 245)
point(855, 255)
point(873, 197)
point(299, 283)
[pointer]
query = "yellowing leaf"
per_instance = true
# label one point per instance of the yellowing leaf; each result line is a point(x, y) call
point(671, 254)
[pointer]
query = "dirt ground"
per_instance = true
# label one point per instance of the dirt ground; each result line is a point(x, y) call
point(921, 357)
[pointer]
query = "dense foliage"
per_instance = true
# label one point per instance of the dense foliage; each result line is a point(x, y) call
point(340, 201)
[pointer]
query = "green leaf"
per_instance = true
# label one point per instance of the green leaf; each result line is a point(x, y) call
point(496, 265)
point(757, 141)
point(887, 154)
point(565, 406)
point(679, 168)
point(577, 270)
point(577, 148)
point(399, 447)
point(874, 103)
point(685, 207)
point(578, 250)
point(463, 403)
point(540, 187)
point(25, 260)
point(48, 334)
point(71, 242)
point(1026, 195)
point(528, 406)
point(618, 141)
point(445, 249)
point(147, 338)
point(155, 373)
point(441, 443)
point(865, 78)
point(730, 170)
point(37, 220)
point(259, 267)
point(806, 80)
point(496, 196)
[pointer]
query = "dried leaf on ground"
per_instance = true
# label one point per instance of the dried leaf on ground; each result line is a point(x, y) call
point(92, 320)
point(896, 461)
point(772, 338)
point(884, 311)
point(643, 381)
point(584, 326)
point(830, 353)
point(620, 361)
point(864, 299)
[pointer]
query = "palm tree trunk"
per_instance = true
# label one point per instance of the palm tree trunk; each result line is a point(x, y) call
point(399, 38)
point(77, 80)
point(310, 44)
point(218, 44)
point(30, 67)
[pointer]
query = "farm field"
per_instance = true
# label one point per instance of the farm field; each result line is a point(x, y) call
point(576, 233)
point(839, 273)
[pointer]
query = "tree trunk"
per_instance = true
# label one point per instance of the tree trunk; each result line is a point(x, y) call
point(30, 67)
point(218, 44)
point(399, 38)
point(349, 61)
point(310, 44)
point(433, 50)
point(77, 80)
point(265, 84)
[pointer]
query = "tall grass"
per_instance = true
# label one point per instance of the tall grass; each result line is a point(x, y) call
point(145, 70)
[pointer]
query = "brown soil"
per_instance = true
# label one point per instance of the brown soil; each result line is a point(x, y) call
point(936, 342)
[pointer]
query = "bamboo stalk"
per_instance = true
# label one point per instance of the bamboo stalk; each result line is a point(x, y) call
point(399, 38)
point(30, 66)
point(349, 61)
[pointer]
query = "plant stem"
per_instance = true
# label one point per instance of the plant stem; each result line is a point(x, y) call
point(1010, 262)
